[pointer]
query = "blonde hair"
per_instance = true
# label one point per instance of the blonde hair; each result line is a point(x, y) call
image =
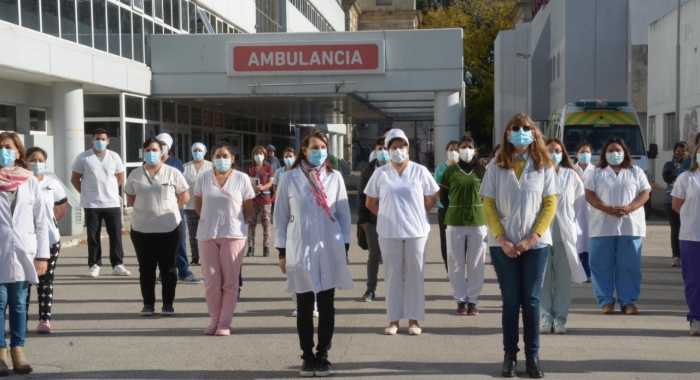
point(538, 149)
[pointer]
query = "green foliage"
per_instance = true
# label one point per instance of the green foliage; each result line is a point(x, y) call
point(481, 20)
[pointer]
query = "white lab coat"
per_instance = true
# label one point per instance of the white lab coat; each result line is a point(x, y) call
point(570, 200)
point(315, 245)
point(687, 187)
point(25, 234)
point(519, 202)
point(583, 215)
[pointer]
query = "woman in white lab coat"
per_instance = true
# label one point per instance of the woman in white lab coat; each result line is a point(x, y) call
point(520, 198)
point(400, 195)
point(563, 264)
point(616, 191)
point(584, 167)
point(312, 235)
point(24, 247)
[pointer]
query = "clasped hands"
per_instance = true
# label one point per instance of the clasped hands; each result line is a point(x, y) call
point(514, 250)
point(617, 211)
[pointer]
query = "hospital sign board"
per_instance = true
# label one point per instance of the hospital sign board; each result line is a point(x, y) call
point(318, 58)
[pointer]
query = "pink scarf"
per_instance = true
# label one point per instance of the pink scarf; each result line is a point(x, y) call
point(312, 173)
point(12, 178)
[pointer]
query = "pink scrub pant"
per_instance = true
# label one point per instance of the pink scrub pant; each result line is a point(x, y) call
point(221, 261)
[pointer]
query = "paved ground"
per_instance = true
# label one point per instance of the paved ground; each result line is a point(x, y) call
point(98, 333)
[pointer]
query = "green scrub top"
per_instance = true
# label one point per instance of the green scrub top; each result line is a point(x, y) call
point(466, 206)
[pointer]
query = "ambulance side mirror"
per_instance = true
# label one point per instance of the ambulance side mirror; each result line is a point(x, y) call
point(653, 151)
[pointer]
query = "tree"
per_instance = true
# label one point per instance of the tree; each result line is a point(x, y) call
point(481, 21)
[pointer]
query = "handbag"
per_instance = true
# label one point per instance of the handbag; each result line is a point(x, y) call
point(362, 237)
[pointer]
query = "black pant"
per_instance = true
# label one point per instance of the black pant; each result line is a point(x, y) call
point(305, 321)
point(674, 219)
point(443, 237)
point(44, 288)
point(113, 222)
point(157, 250)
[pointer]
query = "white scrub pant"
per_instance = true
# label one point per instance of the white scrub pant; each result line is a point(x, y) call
point(404, 264)
point(555, 299)
point(465, 245)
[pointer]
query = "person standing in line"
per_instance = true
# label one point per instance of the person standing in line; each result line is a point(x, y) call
point(224, 199)
point(466, 227)
point(452, 152)
point(156, 192)
point(373, 154)
point(564, 263)
point(670, 173)
point(368, 220)
point(689, 161)
point(686, 202)
point(617, 191)
point(584, 168)
point(24, 247)
point(191, 170)
point(520, 200)
point(401, 194)
point(312, 235)
point(97, 175)
point(262, 175)
point(54, 201)
point(185, 276)
point(272, 160)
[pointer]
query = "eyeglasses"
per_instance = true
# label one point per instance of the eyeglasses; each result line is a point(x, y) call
point(516, 128)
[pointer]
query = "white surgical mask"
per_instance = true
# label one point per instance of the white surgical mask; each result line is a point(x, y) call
point(466, 154)
point(399, 155)
point(453, 156)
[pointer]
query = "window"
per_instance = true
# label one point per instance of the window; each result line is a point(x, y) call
point(147, 31)
point(148, 7)
point(669, 131)
point(113, 28)
point(101, 105)
point(558, 66)
point(138, 37)
point(138, 4)
point(126, 33)
point(183, 114)
point(37, 121)
point(158, 8)
point(196, 116)
point(8, 118)
point(133, 107)
point(193, 18)
point(68, 25)
point(49, 17)
point(152, 109)
point(30, 14)
point(184, 19)
point(84, 23)
point(167, 12)
point(176, 14)
point(168, 112)
point(134, 142)
point(9, 12)
point(99, 22)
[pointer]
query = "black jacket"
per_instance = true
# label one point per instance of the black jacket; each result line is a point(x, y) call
point(363, 213)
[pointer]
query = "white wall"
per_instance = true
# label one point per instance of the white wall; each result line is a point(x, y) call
point(239, 12)
point(644, 12)
point(332, 12)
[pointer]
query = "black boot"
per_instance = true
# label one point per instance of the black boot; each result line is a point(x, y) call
point(532, 366)
point(510, 364)
point(322, 368)
point(266, 252)
point(250, 252)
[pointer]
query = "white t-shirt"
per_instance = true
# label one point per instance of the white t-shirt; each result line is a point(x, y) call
point(155, 206)
point(687, 187)
point(222, 206)
point(52, 194)
point(190, 174)
point(402, 213)
point(617, 190)
point(99, 188)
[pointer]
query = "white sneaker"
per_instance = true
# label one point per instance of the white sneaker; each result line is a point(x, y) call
point(545, 327)
point(695, 328)
point(120, 270)
point(294, 313)
point(559, 328)
point(94, 271)
point(315, 313)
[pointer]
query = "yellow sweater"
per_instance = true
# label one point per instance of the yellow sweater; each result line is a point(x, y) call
point(549, 209)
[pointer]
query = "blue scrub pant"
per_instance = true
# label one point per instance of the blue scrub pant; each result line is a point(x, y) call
point(616, 264)
point(14, 295)
point(183, 266)
point(520, 280)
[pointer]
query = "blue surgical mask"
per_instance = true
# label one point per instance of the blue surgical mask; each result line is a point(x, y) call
point(38, 167)
point(317, 157)
point(289, 161)
point(100, 145)
point(258, 158)
point(556, 157)
point(198, 156)
point(164, 149)
point(152, 158)
point(7, 157)
point(615, 158)
point(222, 164)
point(584, 157)
point(383, 156)
point(521, 138)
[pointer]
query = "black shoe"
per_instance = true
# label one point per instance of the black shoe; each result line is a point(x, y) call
point(308, 366)
point(472, 309)
point(368, 296)
point(532, 367)
point(510, 364)
point(322, 367)
point(462, 308)
point(195, 263)
point(381, 260)
point(167, 311)
point(250, 252)
point(239, 295)
point(266, 252)
point(148, 311)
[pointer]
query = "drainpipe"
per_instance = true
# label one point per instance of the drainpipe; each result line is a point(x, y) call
point(678, 68)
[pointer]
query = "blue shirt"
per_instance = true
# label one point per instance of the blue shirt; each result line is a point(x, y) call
point(438, 176)
point(176, 163)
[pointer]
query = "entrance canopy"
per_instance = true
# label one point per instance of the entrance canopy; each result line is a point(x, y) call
point(316, 78)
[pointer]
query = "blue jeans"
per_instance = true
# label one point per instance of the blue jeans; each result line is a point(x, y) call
point(14, 295)
point(183, 266)
point(520, 280)
point(616, 264)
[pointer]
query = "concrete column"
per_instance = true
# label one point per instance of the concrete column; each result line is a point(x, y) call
point(334, 144)
point(68, 128)
point(447, 114)
point(341, 147)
